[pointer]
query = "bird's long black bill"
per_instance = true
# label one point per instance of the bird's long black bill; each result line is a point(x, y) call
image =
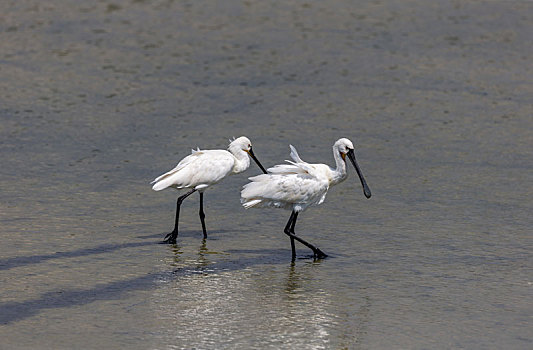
point(366, 189)
point(251, 153)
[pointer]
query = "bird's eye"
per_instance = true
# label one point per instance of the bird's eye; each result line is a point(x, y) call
point(249, 146)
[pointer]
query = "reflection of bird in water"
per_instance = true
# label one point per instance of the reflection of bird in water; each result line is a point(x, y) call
point(298, 185)
point(336, 317)
point(204, 168)
point(298, 276)
point(192, 262)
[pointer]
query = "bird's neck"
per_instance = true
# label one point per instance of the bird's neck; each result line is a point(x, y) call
point(242, 162)
point(339, 174)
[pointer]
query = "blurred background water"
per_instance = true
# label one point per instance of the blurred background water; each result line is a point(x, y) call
point(98, 98)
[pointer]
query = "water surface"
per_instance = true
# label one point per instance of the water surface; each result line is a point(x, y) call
point(100, 98)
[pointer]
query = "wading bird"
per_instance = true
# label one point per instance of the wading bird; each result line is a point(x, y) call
point(202, 169)
point(299, 185)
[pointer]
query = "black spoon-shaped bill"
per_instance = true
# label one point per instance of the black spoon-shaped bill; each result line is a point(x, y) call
point(366, 189)
point(251, 153)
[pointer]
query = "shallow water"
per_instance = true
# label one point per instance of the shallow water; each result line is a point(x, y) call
point(100, 98)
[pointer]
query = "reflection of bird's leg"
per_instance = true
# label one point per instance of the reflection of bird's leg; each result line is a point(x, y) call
point(171, 237)
point(289, 231)
point(202, 215)
point(202, 262)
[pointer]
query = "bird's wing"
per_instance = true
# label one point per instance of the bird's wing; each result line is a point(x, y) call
point(182, 163)
point(198, 170)
point(294, 155)
point(297, 166)
point(303, 165)
point(294, 168)
point(305, 168)
point(285, 169)
point(211, 167)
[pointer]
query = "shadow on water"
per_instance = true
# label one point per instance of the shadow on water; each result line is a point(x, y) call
point(17, 311)
point(12, 312)
point(9, 263)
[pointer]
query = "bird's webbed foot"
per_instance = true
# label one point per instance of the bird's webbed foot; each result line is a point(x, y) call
point(170, 238)
point(318, 254)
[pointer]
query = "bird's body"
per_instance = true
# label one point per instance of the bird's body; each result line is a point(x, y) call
point(287, 191)
point(295, 186)
point(202, 169)
point(299, 185)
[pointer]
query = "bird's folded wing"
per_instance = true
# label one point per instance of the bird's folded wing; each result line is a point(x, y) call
point(183, 163)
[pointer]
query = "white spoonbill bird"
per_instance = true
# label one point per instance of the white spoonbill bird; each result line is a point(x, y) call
point(202, 169)
point(299, 185)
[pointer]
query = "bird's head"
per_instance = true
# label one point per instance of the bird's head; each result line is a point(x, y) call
point(244, 144)
point(345, 148)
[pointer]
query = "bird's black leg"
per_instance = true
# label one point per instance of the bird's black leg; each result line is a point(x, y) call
point(289, 230)
point(202, 215)
point(293, 224)
point(171, 237)
point(295, 216)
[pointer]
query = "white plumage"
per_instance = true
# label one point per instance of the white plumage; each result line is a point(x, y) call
point(202, 169)
point(299, 185)
point(293, 186)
